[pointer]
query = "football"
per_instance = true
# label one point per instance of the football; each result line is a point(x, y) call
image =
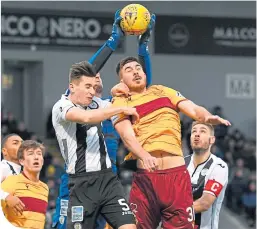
point(135, 19)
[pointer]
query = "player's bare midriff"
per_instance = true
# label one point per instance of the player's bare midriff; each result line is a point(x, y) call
point(165, 160)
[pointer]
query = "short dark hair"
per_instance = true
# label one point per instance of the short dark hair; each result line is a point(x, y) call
point(5, 139)
point(83, 68)
point(125, 61)
point(29, 144)
point(211, 128)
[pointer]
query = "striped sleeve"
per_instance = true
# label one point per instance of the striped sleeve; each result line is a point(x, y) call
point(119, 102)
point(60, 109)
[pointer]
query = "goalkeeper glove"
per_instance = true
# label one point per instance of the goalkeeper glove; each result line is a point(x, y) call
point(145, 37)
point(117, 33)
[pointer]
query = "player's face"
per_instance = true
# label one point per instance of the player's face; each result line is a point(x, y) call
point(11, 147)
point(33, 160)
point(83, 90)
point(133, 76)
point(201, 138)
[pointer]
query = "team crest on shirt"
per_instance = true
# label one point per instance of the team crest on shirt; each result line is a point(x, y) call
point(204, 172)
point(179, 94)
point(93, 105)
point(77, 226)
point(77, 213)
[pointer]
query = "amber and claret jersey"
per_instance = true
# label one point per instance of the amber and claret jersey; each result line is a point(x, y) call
point(159, 128)
point(34, 195)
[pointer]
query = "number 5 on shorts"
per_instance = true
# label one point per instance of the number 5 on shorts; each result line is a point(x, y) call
point(122, 202)
point(191, 214)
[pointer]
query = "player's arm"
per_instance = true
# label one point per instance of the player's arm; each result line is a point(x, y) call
point(192, 110)
point(67, 111)
point(199, 113)
point(79, 115)
point(3, 195)
point(143, 52)
point(216, 183)
point(10, 200)
point(124, 128)
point(103, 54)
point(127, 135)
point(99, 59)
point(4, 172)
point(204, 203)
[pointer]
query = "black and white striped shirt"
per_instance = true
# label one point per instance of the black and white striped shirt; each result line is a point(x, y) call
point(82, 145)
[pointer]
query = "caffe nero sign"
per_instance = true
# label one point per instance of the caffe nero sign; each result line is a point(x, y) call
point(55, 29)
point(205, 36)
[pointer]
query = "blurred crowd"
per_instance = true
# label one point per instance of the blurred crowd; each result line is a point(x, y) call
point(231, 145)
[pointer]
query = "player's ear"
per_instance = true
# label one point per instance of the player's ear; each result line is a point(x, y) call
point(21, 161)
point(145, 75)
point(4, 151)
point(212, 140)
point(71, 87)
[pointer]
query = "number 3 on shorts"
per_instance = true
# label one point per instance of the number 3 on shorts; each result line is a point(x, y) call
point(122, 202)
point(191, 214)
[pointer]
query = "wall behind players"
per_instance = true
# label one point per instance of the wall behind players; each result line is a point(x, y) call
point(201, 78)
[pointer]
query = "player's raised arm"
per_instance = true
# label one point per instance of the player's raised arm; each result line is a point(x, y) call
point(103, 54)
point(99, 59)
point(143, 52)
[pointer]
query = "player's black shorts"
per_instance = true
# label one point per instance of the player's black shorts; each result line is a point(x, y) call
point(95, 193)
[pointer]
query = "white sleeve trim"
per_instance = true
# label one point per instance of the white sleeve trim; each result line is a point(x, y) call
point(212, 193)
point(4, 171)
point(65, 110)
point(3, 194)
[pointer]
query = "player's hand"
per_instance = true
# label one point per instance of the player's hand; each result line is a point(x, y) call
point(120, 90)
point(216, 120)
point(145, 37)
point(15, 204)
point(150, 163)
point(131, 112)
point(117, 33)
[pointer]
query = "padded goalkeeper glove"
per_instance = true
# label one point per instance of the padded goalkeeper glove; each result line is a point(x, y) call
point(117, 33)
point(145, 37)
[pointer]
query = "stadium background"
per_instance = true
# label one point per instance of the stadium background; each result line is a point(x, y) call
point(216, 71)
